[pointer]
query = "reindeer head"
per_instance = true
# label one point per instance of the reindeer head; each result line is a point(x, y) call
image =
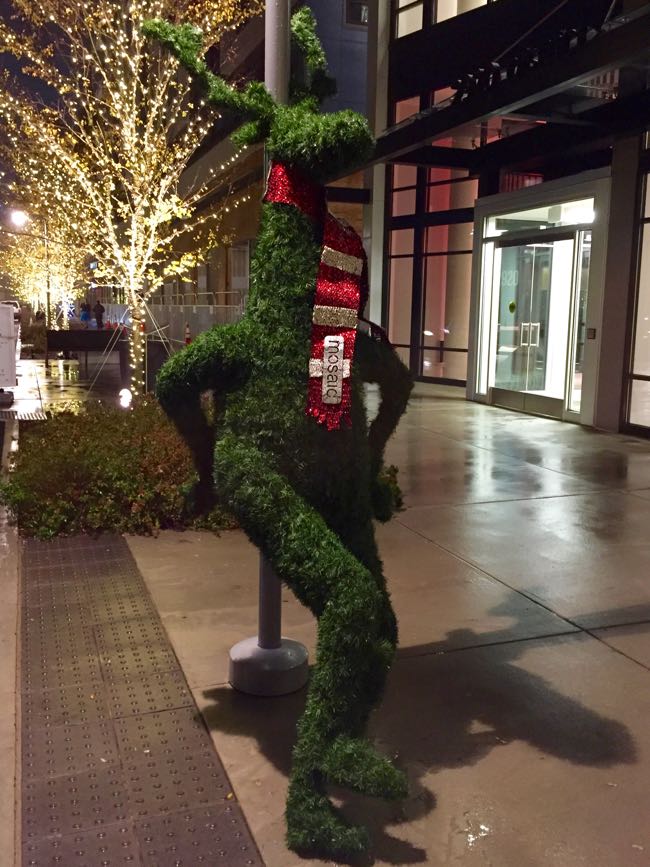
point(323, 146)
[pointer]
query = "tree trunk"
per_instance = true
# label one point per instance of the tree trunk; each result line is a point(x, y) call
point(137, 350)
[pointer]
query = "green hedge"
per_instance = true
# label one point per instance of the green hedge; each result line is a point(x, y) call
point(104, 469)
point(34, 334)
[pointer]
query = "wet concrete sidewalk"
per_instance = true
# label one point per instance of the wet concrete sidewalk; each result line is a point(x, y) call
point(520, 698)
point(40, 386)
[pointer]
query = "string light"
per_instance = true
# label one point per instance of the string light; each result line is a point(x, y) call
point(36, 270)
point(105, 159)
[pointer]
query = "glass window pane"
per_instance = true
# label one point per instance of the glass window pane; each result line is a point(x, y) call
point(452, 366)
point(403, 202)
point(401, 242)
point(401, 293)
point(640, 406)
point(511, 181)
point(406, 108)
point(356, 12)
point(409, 20)
point(442, 95)
point(548, 216)
point(350, 212)
point(404, 354)
point(405, 176)
point(449, 239)
point(439, 198)
point(445, 197)
point(446, 9)
point(450, 8)
point(641, 362)
point(439, 175)
point(447, 285)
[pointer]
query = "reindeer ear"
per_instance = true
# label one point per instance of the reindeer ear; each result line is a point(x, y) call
point(250, 133)
point(314, 82)
point(186, 43)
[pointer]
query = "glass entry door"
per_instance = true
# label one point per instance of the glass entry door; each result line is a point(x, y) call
point(522, 330)
point(540, 292)
point(583, 262)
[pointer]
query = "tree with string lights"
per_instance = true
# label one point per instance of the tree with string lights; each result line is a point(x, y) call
point(100, 127)
point(43, 262)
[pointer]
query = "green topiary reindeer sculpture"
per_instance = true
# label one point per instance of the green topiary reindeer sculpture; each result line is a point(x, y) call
point(291, 452)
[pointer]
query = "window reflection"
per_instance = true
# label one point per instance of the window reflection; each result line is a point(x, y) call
point(409, 14)
point(640, 404)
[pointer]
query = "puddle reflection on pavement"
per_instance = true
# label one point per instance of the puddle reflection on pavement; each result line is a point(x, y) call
point(64, 380)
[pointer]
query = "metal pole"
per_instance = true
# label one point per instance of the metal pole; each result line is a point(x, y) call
point(277, 52)
point(269, 635)
point(269, 664)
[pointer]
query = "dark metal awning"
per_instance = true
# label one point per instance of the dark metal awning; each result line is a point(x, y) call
point(550, 96)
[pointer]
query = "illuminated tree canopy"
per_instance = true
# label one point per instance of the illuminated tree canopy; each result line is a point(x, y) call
point(104, 137)
point(43, 267)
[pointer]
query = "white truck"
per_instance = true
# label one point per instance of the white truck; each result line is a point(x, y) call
point(8, 339)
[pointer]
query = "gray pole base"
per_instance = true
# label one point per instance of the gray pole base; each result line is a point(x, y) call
point(260, 671)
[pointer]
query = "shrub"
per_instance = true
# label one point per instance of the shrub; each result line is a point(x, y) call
point(34, 334)
point(104, 469)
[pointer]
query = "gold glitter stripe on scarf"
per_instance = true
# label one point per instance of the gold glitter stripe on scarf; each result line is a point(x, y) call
point(342, 261)
point(316, 367)
point(334, 317)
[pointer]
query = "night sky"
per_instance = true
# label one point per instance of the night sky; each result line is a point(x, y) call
point(13, 66)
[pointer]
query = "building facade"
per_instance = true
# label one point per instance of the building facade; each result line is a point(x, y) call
point(509, 224)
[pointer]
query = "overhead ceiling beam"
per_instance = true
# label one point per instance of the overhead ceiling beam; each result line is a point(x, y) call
point(608, 50)
point(451, 158)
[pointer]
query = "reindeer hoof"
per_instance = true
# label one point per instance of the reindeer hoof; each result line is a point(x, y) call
point(314, 825)
point(355, 764)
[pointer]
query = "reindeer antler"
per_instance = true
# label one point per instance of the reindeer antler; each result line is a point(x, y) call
point(319, 85)
point(254, 104)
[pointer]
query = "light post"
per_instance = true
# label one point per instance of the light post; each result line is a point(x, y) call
point(20, 219)
point(268, 664)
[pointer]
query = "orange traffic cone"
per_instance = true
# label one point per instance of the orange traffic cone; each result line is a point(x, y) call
point(188, 336)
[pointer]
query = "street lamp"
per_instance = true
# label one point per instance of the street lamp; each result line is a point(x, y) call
point(20, 219)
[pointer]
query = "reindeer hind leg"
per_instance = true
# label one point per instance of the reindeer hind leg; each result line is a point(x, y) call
point(353, 656)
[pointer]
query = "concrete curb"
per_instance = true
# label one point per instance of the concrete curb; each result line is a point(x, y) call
point(9, 691)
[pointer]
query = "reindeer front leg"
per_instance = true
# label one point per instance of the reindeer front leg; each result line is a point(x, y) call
point(212, 363)
point(379, 363)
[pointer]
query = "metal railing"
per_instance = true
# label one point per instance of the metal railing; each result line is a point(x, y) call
point(190, 297)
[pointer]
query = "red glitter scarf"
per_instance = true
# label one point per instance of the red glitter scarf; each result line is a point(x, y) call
point(341, 294)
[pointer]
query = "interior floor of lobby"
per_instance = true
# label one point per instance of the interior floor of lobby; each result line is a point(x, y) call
point(519, 699)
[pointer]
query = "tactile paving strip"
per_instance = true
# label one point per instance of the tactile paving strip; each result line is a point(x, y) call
point(212, 836)
point(155, 692)
point(112, 845)
point(118, 768)
point(179, 783)
point(70, 703)
point(173, 732)
point(59, 750)
point(80, 802)
point(14, 415)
